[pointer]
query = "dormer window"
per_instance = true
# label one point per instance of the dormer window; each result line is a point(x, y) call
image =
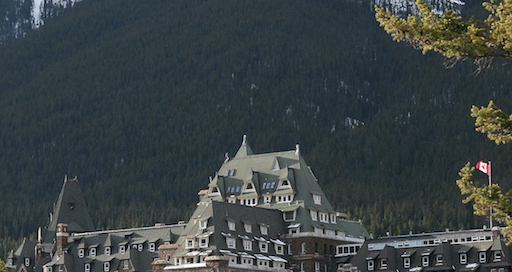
point(27, 262)
point(463, 258)
point(324, 217)
point(203, 224)
point(314, 215)
point(497, 255)
point(482, 257)
point(284, 198)
point(424, 261)
point(370, 265)
point(267, 199)
point(189, 243)
point(284, 184)
point(87, 267)
point(81, 253)
point(106, 266)
point(152, 247)
point(231, 225)
point(122, 249)
point(50, 269)
point(107, 251)
point(383, 264)
point(407, 262)
point(439, 259)
point(92, 252)
point(140, 247)
point(248, 227)
point(263, 230)
point(333, 218)
point(317, 199)
point(214, 190)
point(249, 186)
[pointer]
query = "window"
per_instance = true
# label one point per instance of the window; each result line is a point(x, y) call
point(27, 262)
point(317, 266)
point(92, 252)
point(61, 268)
point(501, 269)
point(278, 265)
point(189, 243)
point(263, 230)
point(246, 261)
point(126, 264)
point(248, 227)
point(122, 249)
point(424, 261)
point(482, 257)
point(407, 262)
point(302, 267)
point(152, 247)
point(263, 263)
point(81, 253)
point(330, 232)
point(319, 230)
point(279, 249)
point(439, 259)
point(370, 265)
point(267, 199)
point(232, 200)
point(284, 198)
point(232, 260)
point(289, 249)
point(231, 225)
point(317, 199)
point(140, 247)
point(463, 258)
point(49, 268)
point(383, 264)
point(333, 218)
point(230, 242)
point(107, 251)
point(313, 216)
point(303, 248)
point(263, 247)
point(324, 217)
point(247, 245)
point(203, 224)
point(87, 267)
point(289, 216)
point(106, 266)
point(203, 242)
point(497, 255)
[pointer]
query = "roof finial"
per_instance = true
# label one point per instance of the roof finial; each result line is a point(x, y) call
point(297, 150)
point(244, 142)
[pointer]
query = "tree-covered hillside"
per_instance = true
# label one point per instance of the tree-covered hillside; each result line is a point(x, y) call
point(141, 100)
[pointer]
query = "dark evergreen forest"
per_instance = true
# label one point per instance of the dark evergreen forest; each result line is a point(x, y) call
point(142, 99)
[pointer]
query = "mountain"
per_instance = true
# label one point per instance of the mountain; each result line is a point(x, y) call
point(142, 99)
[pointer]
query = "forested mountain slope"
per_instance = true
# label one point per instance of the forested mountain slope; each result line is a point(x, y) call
point(141, 100)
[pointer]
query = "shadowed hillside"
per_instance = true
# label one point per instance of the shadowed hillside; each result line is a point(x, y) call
point(142, 99)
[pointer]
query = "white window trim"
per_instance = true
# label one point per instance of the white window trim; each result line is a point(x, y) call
point(425, 261)
point(371, 265)
point(407, 262)
point(230, 245)
point(231, 225)
point(482, 257)
point(314, 215)
point(463, 258)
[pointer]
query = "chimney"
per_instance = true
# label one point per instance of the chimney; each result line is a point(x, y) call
point(62, 237)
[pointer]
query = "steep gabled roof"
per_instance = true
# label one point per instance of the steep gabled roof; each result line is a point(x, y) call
point(70, 209)
point(244, 150)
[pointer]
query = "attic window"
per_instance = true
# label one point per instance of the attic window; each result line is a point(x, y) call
point(107, 251)
point(81, 253)
point(151, 247)
point(27, 262)
point(317, 199)
point(249, 186)
point(87, 267)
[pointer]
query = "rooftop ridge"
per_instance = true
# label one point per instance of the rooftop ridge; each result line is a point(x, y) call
point(83, 234)
point(263, 154)
point(435, 233)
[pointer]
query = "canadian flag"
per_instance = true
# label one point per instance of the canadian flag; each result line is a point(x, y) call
point(484, 167)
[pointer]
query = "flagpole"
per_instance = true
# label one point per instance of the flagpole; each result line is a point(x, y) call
point(490, 196)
